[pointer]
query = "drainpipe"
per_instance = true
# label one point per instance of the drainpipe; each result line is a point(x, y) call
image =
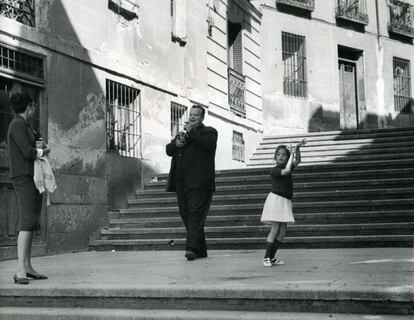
point(380, 85)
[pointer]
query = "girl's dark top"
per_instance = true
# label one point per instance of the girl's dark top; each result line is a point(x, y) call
point(21, 144)
point(282, 185)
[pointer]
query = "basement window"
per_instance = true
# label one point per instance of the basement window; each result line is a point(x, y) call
point(403, 102)
point(179, 116)
point(294, 65)
point(238, 146)
point(123, 119)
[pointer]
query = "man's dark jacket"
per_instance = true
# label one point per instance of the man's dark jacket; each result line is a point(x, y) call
point(196, 158)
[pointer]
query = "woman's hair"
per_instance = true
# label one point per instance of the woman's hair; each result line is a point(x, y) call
point(20, 101)
point(282, 146)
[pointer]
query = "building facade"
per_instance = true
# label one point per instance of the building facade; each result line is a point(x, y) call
point(114, 81)
point(336, 64)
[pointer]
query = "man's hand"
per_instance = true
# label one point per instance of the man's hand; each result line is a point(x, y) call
point(188, 126)
point(180, 140)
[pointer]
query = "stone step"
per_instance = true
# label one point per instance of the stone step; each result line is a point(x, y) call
point(317, 196)
point(263, 230)
point(262, 174)
point(302, 207)
point(350, 151)
point(254, 219)
point(332, 144)
point(373, 134)
point(330, 157)
point(304, 168)
point(257, 185)
point(353, 241)
point(33, 313)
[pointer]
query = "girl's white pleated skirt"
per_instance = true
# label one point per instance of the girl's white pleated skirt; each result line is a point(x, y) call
point(278, 209)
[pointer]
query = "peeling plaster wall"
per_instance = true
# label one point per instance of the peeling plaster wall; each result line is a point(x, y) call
point(321, 110)
point(84, 44)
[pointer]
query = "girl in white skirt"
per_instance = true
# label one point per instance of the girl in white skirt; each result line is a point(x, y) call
point(277, 209)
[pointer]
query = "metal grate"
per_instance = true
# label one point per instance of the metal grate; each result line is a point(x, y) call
point(238, 146)
point(294, 65)
point(179, 116)
point(401, 18)
point(123, 119)
point(402, 85)
point(21, 63)
point(237, 87)
point(353, 10)
point(302, 4)
point(20, 10)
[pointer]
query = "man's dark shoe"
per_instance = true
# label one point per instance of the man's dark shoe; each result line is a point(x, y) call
point(190, 255)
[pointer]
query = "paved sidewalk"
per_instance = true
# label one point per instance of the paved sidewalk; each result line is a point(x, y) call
point(382, 274)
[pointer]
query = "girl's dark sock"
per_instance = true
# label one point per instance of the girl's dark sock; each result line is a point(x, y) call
point(269, 248)
point(275, 246)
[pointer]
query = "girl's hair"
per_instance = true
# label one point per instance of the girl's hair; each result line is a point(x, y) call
point(20, 101)
point(282, 146)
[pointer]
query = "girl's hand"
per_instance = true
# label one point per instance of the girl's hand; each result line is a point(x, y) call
point(301, 143)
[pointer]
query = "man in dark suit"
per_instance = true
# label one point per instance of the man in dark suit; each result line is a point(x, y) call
point(192, 177)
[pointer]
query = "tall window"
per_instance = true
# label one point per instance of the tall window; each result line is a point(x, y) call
point(20, 10)
point(402, 85)
point(236, 79)
point(235, 47)
point(238, 146)
point(294, 65)
point(179, 115)
point(123, 119)
point(23, 73)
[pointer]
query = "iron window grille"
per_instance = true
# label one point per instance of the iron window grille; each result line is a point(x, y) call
point(353, 10)
point(123, 119)
point(402, 85)
point(401, 18)
point(308, 5)
point(21, 64)
point(238, 146)
point(22, 11)
point(294, 65)
point(179, 116)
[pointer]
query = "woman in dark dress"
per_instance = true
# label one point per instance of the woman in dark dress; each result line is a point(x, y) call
point(21, 140)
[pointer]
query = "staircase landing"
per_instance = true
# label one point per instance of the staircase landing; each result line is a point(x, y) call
point(326, 281)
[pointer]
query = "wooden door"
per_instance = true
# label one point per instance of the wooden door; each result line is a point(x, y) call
point(348, 95)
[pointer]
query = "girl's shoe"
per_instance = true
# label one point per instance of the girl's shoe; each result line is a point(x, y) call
point(267, 262)
point(276, 262)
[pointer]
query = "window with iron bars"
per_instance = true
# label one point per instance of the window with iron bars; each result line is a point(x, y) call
point(179, 116)
point(21, 64)
point(294, 65)
point(238, 146)
point(123, 119)
point(20, 10)
point(403, 102)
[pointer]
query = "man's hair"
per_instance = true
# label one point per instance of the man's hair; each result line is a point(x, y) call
point(20, 101)
point(199, 106)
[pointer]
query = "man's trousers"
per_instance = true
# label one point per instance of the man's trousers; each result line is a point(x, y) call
point(194, 205)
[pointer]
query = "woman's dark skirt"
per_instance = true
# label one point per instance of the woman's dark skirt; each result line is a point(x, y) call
point(29, 203)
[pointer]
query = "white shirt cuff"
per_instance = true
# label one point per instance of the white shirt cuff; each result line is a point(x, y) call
point(39, 153)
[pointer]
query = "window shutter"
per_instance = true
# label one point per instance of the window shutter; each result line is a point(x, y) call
point(238, 53)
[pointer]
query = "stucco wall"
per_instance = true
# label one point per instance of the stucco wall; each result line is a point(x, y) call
point(320, 111)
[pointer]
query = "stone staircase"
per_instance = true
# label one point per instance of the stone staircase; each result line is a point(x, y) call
point(353, 189)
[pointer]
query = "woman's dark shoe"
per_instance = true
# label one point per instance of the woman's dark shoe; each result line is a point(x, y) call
point(36, 276)
point(18, 280)
point(190, 255)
